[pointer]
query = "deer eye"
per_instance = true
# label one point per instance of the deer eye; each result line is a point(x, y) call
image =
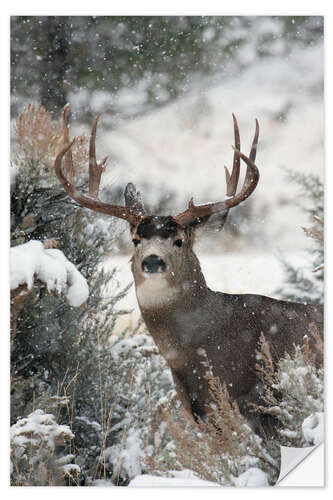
point(136, 242)
point(178, 243)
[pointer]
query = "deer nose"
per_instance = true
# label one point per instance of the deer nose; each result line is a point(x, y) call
point(153, 264)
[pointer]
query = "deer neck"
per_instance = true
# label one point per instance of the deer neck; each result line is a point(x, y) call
point(170, 312)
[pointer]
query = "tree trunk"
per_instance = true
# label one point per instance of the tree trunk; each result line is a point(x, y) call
point(56, 33)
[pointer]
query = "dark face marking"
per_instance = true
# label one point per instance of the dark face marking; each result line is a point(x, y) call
point(162, 226)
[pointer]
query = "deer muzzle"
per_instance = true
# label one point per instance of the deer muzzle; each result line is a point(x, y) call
point(153, 264)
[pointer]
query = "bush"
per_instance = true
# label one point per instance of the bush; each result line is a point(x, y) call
point(34, 440)
point(306, 284)
point(62, 353)
point(58, 350)
point(295, 390)
point(224, 449)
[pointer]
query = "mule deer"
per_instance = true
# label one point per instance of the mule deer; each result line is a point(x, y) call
point(185, 317)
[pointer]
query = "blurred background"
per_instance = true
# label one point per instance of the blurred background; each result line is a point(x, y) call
point(166, 87)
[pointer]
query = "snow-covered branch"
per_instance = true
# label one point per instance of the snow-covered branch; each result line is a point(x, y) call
point(32, 261)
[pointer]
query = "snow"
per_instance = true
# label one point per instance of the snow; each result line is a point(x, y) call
point(31, 260)
point(38, 429)
point(252, 477)
point(289, 433)
point(127, 458)
point(138, 342)
point(34, 439)
point(103, 483)
point(184, 478)
point(71, 469)
point(313, 429)
point(95, 425)
point(13, 171)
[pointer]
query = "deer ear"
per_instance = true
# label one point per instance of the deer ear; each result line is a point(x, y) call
point(133, 199)
point(214, 220)
point(200, 221)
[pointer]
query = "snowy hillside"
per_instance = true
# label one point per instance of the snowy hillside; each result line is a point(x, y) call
point(183, 147)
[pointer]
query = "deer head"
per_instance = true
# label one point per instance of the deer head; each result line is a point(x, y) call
point(164, 264)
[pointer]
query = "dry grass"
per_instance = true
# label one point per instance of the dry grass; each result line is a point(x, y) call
point(220, 448)
point(316, 233)
point(313, 347)
point(39, 138)
point(37, 134)
point(266, 368)
point(312, 352)
point(293, 388)
point(105, 419)
point(217, 449)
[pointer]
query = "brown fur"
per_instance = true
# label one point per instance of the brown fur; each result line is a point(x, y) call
point(226, 327)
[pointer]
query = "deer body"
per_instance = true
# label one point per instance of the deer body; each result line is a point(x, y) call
point(185, 318)
point(227, 328)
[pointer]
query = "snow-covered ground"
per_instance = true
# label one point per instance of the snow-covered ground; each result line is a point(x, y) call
point(184, 478)
point(253, 477)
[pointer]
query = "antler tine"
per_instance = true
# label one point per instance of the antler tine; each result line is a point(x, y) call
point(232, 180)
point(95, 172)
point(254, 143)
point(194, 212)
point(252, 154)
point(95, 169)
point(69, 167)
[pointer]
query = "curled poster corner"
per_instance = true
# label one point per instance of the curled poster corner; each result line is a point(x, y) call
point(308, 472)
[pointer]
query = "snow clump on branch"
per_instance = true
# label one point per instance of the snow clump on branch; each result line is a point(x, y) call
point(49, 265)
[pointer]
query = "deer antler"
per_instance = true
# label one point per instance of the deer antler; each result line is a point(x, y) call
point(95, 173)
point(194, 212)
point(135, 212)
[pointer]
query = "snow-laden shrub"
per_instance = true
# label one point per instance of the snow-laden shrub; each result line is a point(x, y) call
point(252, 477)
point(293, 392)
point(223, 449)
point(34, 441)
point(313, 429)
point(32, 260)
point(141, 382)
point(306, 284)
point(59, 350)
